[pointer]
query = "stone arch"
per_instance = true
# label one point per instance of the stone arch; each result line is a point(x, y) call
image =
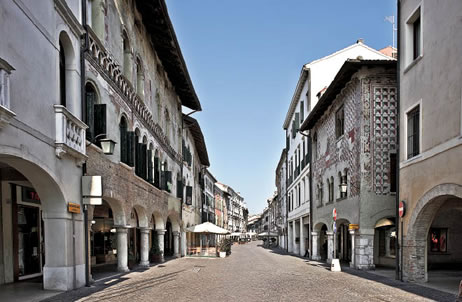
point(159, 220)
point(118, 212)
point(174, 220)
point(143, 221)
point(318, 225)
point(415, 245)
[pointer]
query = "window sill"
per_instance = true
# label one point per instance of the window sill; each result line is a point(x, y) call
point(412, 159)
point(412, 64)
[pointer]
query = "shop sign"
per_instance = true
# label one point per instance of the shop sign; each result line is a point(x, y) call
point(30, 195)
point(402, 208)
point(73, 208)
point(353, 226)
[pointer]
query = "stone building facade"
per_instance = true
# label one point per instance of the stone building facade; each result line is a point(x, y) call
point(353, 134)
point(281, 217)
point(430, 136)
point(136, 85)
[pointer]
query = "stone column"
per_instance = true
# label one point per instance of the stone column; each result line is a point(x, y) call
point(330, 246)
point(365, 250)
point(294, 230)
point(122, 249)
point(302, 239)
point(315, 252)
point(176, 244)
point(160, 239)
point(183, 244)
point(353, 248)
point(289, 238)
point(144, 247)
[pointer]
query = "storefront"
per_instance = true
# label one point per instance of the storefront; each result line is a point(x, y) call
point(103, 236)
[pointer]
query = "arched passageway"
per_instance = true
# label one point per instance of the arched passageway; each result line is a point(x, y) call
point(343, 241)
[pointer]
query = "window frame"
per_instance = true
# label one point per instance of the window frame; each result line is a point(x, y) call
point(340, 123)
point(418, 108)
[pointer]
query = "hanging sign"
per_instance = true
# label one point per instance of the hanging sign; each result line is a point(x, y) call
point(402, 209)
point(352, 226)
point(73, 207)
point(334, 214)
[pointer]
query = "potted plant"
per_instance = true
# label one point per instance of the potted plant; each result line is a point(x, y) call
point(225, 247)
point(155, 254)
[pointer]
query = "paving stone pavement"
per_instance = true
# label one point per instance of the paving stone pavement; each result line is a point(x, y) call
point(250, 273)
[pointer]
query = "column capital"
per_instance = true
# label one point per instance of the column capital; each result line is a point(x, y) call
point(121, 229)
point(330, 233)
point(314, 233)
point(144, 230)
point(161, 232)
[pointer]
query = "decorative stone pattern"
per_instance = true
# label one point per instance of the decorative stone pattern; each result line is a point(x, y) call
point(384, 116)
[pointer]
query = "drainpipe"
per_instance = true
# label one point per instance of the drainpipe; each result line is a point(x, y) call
point(399, 262)
point(83, 50)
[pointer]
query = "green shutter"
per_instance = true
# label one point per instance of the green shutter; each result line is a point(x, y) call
point(156, 173)
point(123, 145)
point(302, 112)
point(144, 161)
point(150, 167)
point(89, 117)
point(131, 148)
point(99, 123)
point(297, 122)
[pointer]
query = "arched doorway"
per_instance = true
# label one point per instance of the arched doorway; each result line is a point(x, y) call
point(168, 239)
point(432, 241)
point(343, 241)
point(35, 225)
point(103, 237)
point(385, 242)
point(323, 244)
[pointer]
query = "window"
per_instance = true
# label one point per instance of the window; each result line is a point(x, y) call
point(339, 122)
point(139, 79)
point(127, 140)
point(127, 57)
point(302, 112)
point(416, 38)
point(393, 172)
point(95, 115)
point(5, 70)
point(438, 240)
point(95, 17)
point(315, 147)
point(62, 75)
point(413, 127)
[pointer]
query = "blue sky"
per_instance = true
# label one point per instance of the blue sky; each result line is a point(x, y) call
point(244, 58)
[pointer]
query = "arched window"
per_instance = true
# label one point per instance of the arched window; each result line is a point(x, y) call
point(95, 115)
point(157, 169)
point(139, 79)
point(62, 74)
point(95, 17)
point(127, 57)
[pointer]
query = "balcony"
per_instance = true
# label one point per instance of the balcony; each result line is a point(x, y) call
point(70, 135)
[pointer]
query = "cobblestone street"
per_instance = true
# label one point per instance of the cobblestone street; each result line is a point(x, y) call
point(251, 273)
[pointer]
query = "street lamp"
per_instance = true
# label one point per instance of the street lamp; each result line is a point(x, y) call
point(343, 187)
point(107, 145)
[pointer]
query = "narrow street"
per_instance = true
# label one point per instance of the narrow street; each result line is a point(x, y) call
point(251, 273)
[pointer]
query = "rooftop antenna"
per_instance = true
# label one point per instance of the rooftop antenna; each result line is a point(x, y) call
point(391, 19)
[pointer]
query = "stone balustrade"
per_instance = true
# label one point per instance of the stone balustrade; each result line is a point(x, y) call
point(70, 134)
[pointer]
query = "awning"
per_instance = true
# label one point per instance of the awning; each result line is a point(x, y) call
point(237, 234)
point(384, 222)
point(271, 234)
point(207, 228)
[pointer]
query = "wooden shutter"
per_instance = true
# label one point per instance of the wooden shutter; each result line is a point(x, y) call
point(89, 113)
point(131, 148)
point(302, 112)
point(188, 195)
point(123, 145)
point(297, 122)
point(167, 179)
point(156, 173)
point(150, 167)
point(179, 189)
point(99, 123)
point(144, 161)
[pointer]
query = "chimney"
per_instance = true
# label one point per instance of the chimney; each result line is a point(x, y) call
point(360, 40)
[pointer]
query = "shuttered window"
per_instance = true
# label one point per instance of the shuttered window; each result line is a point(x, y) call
point(156, 172)
point(188, 195)
point(179, 188)
point(302, 112)
point(99, 124)
point(150, 167)
point(413, 126)
point(131, 148)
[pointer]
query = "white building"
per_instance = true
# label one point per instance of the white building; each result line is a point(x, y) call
point(314, 79)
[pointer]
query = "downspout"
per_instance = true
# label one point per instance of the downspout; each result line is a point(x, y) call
point(83, 50)
point(399, 256)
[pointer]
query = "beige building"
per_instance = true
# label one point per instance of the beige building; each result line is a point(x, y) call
point(430, 34)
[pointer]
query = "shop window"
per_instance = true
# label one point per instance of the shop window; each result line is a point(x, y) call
point(438, 240)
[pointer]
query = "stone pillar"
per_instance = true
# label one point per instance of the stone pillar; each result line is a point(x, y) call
point(353, 248)
point(330, 246)
point(122, 249)
point(144, 247)
point(315, 255)
point(183, 244)
point(415, 260)
point(290, 247)
point(176, 244)
point(294, 231)
point(302, 239)
point(160, 240)
point(365, 250)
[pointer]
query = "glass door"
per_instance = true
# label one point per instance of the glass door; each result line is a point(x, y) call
point(29, 241)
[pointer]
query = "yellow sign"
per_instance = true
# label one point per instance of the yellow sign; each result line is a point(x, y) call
point(73, 208)
point(353, 226)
